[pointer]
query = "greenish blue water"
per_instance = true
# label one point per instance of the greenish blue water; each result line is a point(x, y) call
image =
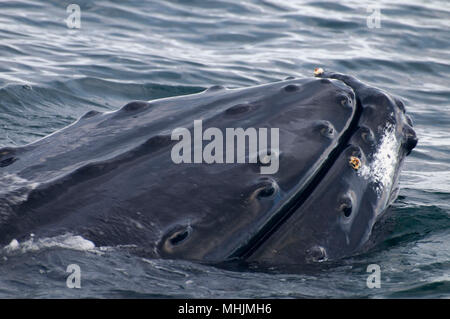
point(50, 75)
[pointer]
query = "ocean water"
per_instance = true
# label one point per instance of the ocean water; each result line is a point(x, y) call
point(142, 50)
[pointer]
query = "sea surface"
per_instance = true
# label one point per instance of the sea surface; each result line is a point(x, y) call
point(51, 74)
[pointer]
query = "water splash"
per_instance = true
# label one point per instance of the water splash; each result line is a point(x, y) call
point(67, 241)
point(381, 170)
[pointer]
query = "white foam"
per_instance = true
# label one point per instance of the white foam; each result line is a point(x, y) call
point(381, 170)
point(16, 188)
point(11, 182)
point(13, 245)
point(67, 241)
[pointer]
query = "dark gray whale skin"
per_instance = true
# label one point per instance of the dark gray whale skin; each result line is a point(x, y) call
point(109, 177)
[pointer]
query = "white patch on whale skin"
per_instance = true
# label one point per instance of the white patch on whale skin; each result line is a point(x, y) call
point(381, 170)
point(67, 241)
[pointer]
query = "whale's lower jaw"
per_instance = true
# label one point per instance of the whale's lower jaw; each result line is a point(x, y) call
point(110, 177)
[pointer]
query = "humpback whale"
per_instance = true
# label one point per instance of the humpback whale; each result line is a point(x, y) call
point(109, 177)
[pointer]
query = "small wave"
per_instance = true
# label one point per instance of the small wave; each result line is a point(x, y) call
point(438, 288)
point(14, 190)
point(10, 183)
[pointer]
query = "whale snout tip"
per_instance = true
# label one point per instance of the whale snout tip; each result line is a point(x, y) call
point(410, 139)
